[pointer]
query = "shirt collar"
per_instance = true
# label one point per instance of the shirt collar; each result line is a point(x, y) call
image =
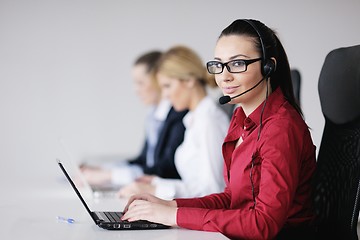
point(200, 108)
point(162, 110)
point(273, 103)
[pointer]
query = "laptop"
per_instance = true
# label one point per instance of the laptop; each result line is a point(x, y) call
point(106, 190)
point(111, 220)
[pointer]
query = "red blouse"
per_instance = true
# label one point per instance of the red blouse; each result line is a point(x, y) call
point(283, 160)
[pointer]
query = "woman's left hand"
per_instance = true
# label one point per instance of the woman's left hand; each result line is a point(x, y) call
point(154, 212)
point(136, 188)
point(145, 179)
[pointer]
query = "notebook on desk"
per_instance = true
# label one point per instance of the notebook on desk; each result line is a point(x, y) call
point(111, 220)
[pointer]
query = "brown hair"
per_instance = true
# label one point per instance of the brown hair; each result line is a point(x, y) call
point(149, 59)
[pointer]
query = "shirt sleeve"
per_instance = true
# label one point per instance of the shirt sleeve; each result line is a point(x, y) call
point(125, 174)
point(165, 188)
point(212, 201)
point(280, 153)
point(203, 174)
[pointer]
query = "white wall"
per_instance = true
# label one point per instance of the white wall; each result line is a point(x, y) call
point(65, 66)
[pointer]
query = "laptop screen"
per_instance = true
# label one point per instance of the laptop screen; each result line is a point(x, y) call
point(73, 185)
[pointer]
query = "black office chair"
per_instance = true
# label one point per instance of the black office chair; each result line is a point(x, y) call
point(337, 178)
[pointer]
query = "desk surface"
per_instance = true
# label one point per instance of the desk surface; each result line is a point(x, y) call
point(32, 212)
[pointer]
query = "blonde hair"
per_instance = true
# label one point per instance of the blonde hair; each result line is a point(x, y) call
point(182, 63)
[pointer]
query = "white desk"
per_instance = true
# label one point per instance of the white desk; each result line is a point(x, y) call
point(29, 207)
point(30, 211)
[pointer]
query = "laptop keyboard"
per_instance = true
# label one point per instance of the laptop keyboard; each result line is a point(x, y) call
point(111, 216)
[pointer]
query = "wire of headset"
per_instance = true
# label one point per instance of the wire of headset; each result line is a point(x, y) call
point(268, 66)
point(254, 155)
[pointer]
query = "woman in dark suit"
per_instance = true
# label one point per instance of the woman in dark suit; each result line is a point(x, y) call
point(164, 133)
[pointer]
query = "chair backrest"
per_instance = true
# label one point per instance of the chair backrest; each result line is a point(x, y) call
point(337, 177)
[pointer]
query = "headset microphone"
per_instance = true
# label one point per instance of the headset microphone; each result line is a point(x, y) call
point(268, 66)
point(226, 99)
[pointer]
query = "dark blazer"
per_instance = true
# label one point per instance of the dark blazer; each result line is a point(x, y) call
point(171, 136)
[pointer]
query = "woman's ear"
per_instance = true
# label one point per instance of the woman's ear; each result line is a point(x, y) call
point(275, 63)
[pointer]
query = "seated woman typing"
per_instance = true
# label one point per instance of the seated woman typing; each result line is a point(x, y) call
point(164, 133)
point(183, 80)
point(269, 156)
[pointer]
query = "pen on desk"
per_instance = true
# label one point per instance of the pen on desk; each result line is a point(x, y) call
point(68, 220)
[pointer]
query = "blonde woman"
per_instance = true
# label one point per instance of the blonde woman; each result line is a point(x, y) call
point(164, 133)
point(183, 79)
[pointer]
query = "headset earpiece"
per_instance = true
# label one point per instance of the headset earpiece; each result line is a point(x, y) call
point(268, 65)
point(268, 68)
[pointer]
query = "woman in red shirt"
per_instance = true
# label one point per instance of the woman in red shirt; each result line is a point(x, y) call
point(268, 152)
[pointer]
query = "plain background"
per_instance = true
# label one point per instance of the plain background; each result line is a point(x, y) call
point(65, 67)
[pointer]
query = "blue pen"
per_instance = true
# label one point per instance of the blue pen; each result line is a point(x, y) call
point(68, 220)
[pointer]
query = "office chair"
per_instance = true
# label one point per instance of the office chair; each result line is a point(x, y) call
point(296, 82)
point(337, 178)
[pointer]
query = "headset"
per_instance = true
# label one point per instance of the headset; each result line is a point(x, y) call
point(268, 65)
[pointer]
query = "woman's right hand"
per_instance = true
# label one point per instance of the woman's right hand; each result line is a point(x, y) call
point(150, 208)
point(150, 198)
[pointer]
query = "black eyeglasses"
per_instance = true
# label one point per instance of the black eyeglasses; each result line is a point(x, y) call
point(234, 66)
